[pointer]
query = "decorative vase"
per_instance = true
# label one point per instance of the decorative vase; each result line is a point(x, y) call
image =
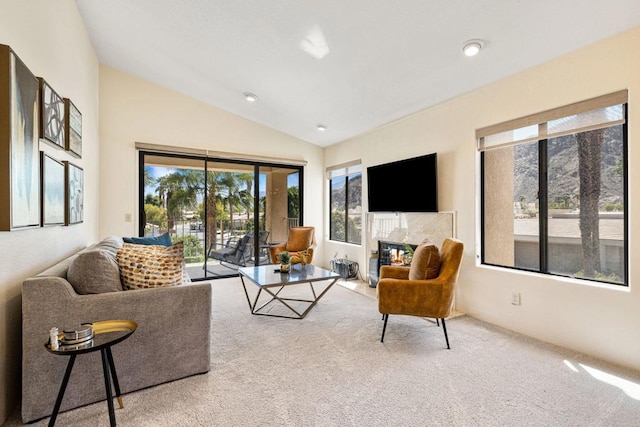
point(284, 268)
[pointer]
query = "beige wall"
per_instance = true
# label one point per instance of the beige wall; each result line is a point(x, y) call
point(134, 110)
point(597, 320)
point(51, 40)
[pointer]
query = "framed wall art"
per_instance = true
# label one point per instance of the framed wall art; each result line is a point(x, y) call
point(52, 190)
point(73, 129)
point(52, 115)
point(74, 211)
point(19, 151)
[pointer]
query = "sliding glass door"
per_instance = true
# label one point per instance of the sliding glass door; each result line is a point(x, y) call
point(230, 211)
point(281, 200)
point(172, 199)
point(227, 213)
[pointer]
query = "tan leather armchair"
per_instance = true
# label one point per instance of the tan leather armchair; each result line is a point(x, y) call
point(433, 298)
point(299, 245)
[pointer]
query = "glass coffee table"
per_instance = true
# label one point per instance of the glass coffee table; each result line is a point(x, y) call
point(269, 279)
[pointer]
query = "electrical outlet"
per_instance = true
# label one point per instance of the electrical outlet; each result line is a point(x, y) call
point(515, 298)
point(127, 217)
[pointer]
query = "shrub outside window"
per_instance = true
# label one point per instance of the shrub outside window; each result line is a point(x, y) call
point(554, 191)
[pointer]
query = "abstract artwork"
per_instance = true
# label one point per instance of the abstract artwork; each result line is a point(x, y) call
point(52, 191)
point(52, 115)
point(73, 129)
point(19, 152)
point(75, 194)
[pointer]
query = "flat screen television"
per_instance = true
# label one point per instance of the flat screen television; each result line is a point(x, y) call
point(409, 185)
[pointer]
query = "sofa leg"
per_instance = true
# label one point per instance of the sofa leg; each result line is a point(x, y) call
point(444, 327)
point(384, 328)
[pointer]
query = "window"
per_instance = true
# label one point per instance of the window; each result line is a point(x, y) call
point(345, 201)
point(554, 191)
point(212, 203)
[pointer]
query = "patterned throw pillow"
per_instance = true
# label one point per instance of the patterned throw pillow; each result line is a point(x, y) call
point(426, 262)
point(150, 266)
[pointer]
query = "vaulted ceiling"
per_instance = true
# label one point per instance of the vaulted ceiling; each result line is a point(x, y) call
point(352, 65)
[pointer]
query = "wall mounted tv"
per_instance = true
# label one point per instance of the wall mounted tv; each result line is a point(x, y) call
point(409, 185)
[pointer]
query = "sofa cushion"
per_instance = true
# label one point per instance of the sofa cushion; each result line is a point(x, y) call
point(94, 271)
point(162, 240)
point(426, 262)
point(151, 266)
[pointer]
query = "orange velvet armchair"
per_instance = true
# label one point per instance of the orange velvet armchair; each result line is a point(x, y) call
point(423, 297)
point(299, 245)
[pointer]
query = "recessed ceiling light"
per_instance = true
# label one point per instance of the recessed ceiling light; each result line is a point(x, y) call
point(251, 97)
point(472, 47)
point(321, 127)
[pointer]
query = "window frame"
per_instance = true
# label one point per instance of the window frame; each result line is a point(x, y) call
point(346, 171)
point(145, 151)
point(543, 162)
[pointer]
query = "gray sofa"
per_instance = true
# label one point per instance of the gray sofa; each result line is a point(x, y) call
point(171, 342)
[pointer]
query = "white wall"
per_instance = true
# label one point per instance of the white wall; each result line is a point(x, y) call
point(51, 40)
point(599, 320)
point(134, 110)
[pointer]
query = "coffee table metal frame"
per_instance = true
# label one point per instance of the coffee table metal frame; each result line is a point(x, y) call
point(268, 279)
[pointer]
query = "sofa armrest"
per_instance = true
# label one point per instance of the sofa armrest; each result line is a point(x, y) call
point(172, 340)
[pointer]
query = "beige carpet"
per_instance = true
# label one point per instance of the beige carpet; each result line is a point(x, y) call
point(330, 369)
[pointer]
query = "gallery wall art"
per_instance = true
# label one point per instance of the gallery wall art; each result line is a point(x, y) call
point(53, 191)
point(38, 186)
point(19, 150)
point(52, 115)
point(74, 194)
point(73, 129)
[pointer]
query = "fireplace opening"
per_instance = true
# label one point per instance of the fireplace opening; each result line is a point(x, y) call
point(390, 253)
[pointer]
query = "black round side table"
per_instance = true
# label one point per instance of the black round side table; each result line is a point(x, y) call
point(106, 334)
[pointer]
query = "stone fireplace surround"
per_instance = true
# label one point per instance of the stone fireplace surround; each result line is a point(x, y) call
point(408, 227)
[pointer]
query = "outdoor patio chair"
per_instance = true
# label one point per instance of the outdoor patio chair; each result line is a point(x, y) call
point(236, 253)
point(263, 246)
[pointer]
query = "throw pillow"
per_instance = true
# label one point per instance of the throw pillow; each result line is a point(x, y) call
point(426, 262)
point(162, 240)
point(151, 266)
point(94, 272)
point(109, 244)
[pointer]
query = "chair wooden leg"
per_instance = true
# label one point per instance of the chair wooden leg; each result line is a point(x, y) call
point(444, 327)
point(384, 328)
point(437, 321)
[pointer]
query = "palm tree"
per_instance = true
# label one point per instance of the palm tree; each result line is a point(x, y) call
point(149, 180)
point(238, 192)
point(226, 191)
point(589, 156)
point(178, 191)
point(213, 197)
